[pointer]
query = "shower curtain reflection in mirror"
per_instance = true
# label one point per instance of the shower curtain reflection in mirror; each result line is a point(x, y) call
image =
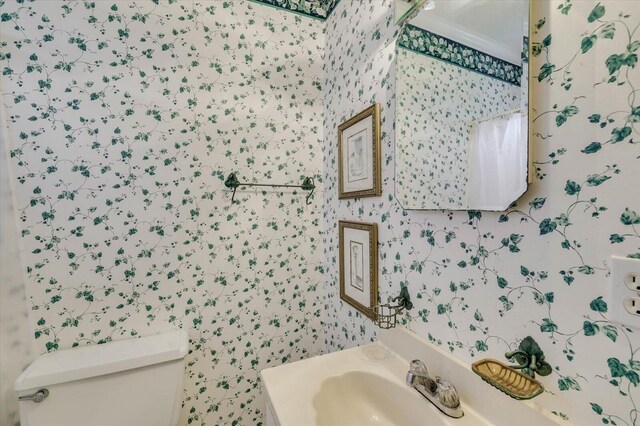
point(497, 161)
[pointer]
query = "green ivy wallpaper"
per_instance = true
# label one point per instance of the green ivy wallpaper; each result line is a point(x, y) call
point(124, 118)
point(481, 281)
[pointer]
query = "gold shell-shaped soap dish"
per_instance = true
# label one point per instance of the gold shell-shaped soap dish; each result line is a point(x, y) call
point(507, 379)
point(517, 381)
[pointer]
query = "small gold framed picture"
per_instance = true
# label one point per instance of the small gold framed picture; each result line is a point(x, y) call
point(359, 265)
point(359, 155)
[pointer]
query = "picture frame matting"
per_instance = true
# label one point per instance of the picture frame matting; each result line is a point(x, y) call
point(359, 170)
point(358, 251)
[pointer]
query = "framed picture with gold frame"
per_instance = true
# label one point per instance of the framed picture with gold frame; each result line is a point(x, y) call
point(359, 155)
point(359, 265)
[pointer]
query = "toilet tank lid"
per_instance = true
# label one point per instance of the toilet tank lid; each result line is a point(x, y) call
point(78, 363)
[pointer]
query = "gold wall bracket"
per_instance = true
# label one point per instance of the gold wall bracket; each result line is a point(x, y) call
point(386, 316)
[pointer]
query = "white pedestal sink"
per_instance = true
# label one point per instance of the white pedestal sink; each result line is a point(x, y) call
point(365, 386)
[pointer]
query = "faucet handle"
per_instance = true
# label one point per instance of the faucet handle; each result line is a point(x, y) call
point(418, 374)
point(418, 368)
point(447, 393)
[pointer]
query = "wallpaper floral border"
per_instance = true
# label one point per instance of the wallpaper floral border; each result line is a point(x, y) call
point(481, 281)
point(319, 9)
point(427, 43)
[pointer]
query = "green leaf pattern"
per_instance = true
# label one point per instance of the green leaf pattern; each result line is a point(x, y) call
point(126, 116)
point(478, 293)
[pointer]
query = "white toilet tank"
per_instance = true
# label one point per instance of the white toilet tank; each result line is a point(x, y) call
point(136, 382)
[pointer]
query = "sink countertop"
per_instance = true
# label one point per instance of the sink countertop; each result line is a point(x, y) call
point(290, 389)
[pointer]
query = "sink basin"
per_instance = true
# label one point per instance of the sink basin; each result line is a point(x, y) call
point(365, 386)
point(363, 399)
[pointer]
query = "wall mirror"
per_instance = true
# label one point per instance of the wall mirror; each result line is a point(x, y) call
point(461, 104)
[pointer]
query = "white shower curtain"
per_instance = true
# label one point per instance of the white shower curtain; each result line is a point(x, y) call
point(497, 162)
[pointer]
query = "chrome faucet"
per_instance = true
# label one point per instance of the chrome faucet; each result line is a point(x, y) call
point(439, 392)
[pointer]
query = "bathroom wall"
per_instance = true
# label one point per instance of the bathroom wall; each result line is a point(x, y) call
point(481, 281)
point(124, 120)
point(15, 330)
point(432, 120)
